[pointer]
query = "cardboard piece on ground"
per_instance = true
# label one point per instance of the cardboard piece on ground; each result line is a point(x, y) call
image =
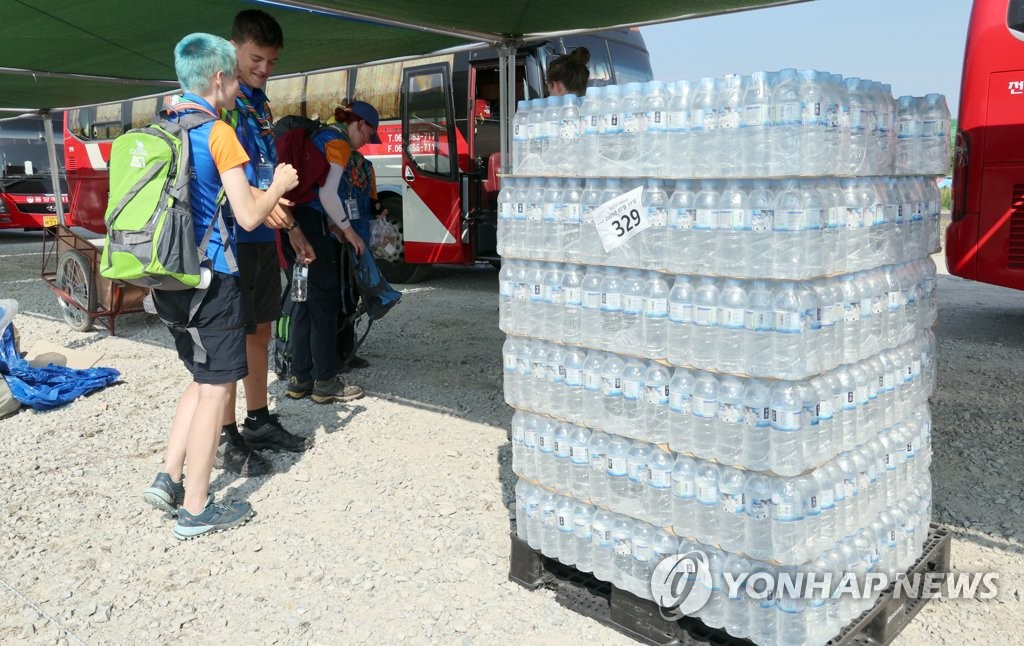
point(43, 353)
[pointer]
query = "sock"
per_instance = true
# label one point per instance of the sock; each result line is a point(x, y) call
point(257, 418)
point(226, 430)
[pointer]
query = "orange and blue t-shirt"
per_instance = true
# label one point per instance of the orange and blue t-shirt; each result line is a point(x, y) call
point(214, 149)
point(252, 119)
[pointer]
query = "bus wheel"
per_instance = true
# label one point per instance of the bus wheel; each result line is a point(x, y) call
point(394, 267)
point(75, 278)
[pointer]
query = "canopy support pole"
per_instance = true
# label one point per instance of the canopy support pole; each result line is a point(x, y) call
point(507, 99)
point(51, 150)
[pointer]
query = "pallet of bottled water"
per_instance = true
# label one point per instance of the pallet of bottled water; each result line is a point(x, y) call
point(748, 375)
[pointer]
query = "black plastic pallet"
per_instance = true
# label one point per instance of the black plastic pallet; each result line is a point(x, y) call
point(641, 619)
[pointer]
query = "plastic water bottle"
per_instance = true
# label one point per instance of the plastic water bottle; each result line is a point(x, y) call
point(680, 322)
point(520, 137)
point(590, 312)
point(630, 161)
point(813, 123)
point(548, 524)
point(593, 397)
point(522, 491)
point(652, 240)
point(610, 131)
point(812, 517)
point(510, 369)
point(570, 322)
point(611, 393)
point(680, 158)
point(791, 622)
point(680, 415)
point(731, 334)
point(634, 288)
point(728, 108)
point(658, 503)
point(553, 300)
point(564, 522)
point(735, 615)
point(785, 456)
point(569, 238)
point(758, 246)
point(518, 440)
point(813, 217)
point(562, 460)
point(762, 608)
point(755, 126)
point(935, 136)
point(656, 404)
point(730, 429)
point(788, 337)
point(703, 120)
point(602, 546)
point(638, 475)
point(529, 462)
point(533, 226)
point(505, 214)
point(732, 509)
point(567, 158)
point(573, 393)
point(611, 306)
point(857, 133)
point(579, 457)
point(643, 562)
point(622, 548)
point(633, 396)
point(598, 450)
point(684, 491)
point(590, 244)
point(758, 327)
point(785, 131)
point(654, 331)
point(706, 512)
point(583, 534)
point(590, 125)
point(546, 450)
point(618, 482)
point(790, 245)
point(734, 227)
point(551, 153)
point(705, 329)
point(515, 244)
point(704, 406)
point(757, 424)
point(654, 133)
point(532, 163)
point(758, 521)
point(705, 225)
point(788, 533)
point(551, 223)
point(533, 517)
point(678, 246)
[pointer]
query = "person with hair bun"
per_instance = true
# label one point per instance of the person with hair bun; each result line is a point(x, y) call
point(568, 74)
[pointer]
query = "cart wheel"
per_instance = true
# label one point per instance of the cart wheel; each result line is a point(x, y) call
point(75, 278)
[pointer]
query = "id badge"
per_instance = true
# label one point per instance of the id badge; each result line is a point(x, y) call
point(352, 207)
point(264, 176)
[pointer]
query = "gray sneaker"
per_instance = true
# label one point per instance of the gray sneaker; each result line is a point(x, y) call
point(216, 517)
point(335, 390)
point(165, 494)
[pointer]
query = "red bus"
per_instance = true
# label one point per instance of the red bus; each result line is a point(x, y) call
point(26, 190)
point(444, 212)
point(985, 240)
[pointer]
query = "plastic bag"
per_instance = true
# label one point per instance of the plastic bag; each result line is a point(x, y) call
point(383, 238)
point(8, 310)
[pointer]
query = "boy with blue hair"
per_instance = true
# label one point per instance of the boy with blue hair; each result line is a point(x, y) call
point(208, 74)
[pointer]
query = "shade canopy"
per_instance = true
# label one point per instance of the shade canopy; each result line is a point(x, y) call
point(63, 53)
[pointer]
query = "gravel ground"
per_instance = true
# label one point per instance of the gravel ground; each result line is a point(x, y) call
point(394, 526)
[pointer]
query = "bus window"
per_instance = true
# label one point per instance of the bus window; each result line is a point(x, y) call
point(428, 124)
point(600, 65)
point(143, 111)
point(630, 64)
point(108, 123)
point(286, 95)
point(1015, 18)
point(378, 84)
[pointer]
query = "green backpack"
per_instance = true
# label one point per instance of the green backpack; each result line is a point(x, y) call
point(150, 237)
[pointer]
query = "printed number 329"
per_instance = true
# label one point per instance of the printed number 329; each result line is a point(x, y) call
point(626, 222)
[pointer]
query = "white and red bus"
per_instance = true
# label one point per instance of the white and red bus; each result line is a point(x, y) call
point(985, 240)
point(445, 213)
point(26, 190)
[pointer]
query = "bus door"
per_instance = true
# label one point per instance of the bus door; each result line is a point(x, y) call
point(433, 228)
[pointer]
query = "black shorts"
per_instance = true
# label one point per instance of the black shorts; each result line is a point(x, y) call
point(260, 281)
point(219, 324)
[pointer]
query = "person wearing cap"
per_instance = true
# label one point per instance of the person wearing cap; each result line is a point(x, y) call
point(334, 215)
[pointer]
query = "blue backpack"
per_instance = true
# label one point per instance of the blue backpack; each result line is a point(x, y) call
point(376, 294)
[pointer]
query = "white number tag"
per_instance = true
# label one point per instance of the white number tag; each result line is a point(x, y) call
point(621, 218)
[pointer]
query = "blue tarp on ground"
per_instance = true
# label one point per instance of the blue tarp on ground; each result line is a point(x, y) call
point(49, 387)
